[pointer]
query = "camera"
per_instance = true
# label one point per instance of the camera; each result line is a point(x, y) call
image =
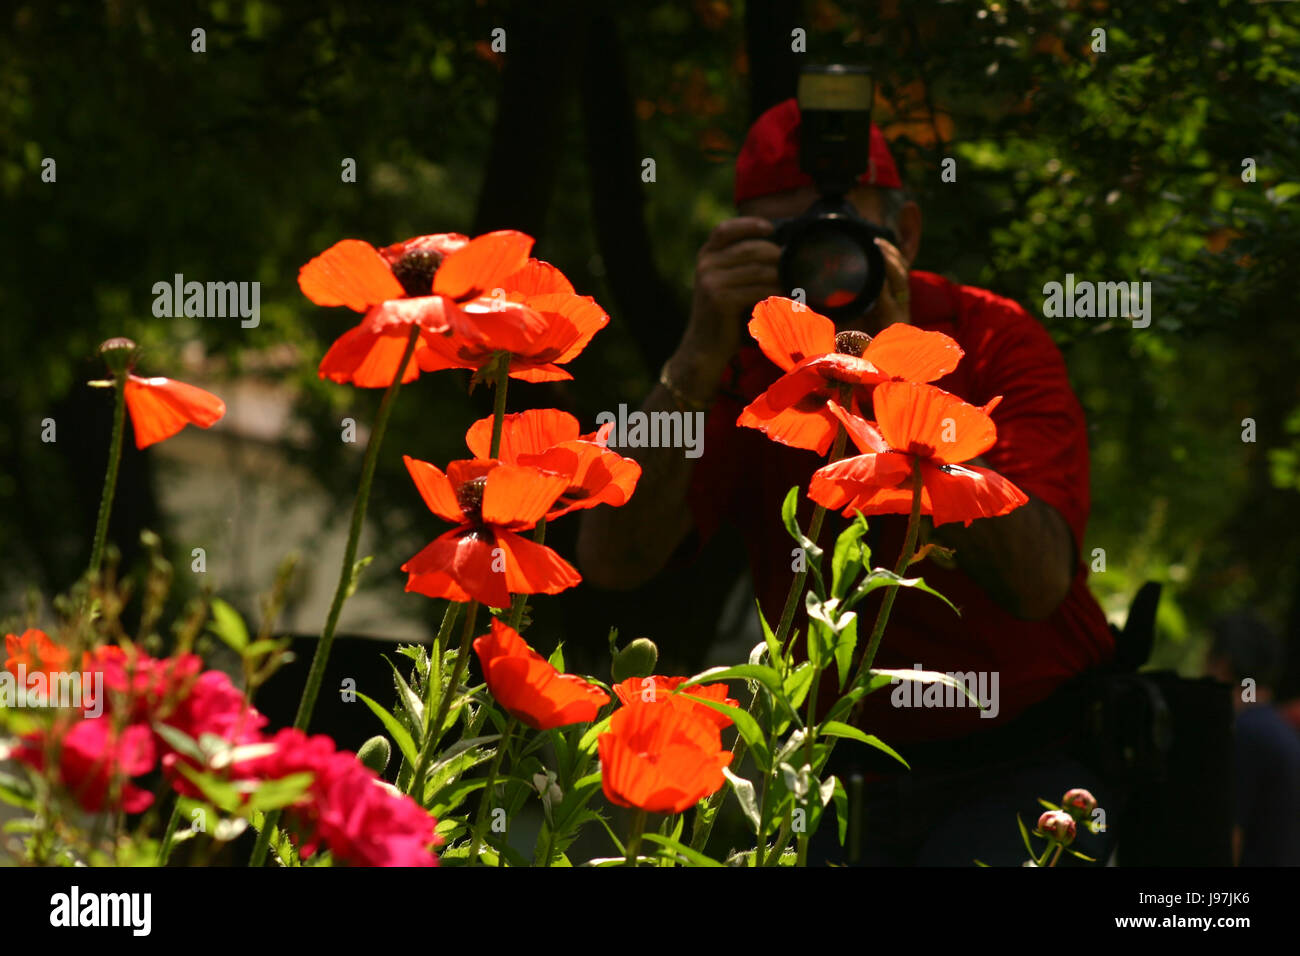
point(829, 251)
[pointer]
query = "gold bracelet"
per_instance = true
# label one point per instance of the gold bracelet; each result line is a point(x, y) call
point(684, 402)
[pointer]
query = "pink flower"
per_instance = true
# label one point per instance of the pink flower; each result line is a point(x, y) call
point(346, 808)
point(92, 760)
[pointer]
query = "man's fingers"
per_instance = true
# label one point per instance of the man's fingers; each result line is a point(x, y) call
point(746, 273)
point(741, 253)
point(733, 230)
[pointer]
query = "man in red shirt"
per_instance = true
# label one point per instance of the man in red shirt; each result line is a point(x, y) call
point(1028, 621)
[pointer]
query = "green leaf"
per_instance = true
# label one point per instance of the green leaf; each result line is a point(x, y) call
point(764, 675)
point(747, 727)
point(798, 682)
point(928, 677)
point(181, 742)
point(693, 857)
point(851, 554)
point(355, 578)
point(556, 659)
point(744, 790)
point(401, 736)
point(775, 651)
point(841, 797)
point(833, 728)
point(587, 744)
point(450, 797)
point(228, 626)
point(410, 700)
point(1024, 835)
point(846, 642)
point(812, 553)
point(272, 794)
point(880, 578)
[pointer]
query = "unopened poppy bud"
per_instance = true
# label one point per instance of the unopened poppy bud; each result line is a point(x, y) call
point(852, 343)
point(375, 753)
point(118, 354)
point(1058, 826)
point(1079, 803)
point(638, 659)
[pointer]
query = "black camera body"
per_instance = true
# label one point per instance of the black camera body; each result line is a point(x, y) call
point(829, 252)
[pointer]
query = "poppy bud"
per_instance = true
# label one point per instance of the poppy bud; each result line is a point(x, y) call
point(1079, 803)
point(375, 752)
point(1058, 826)
point(638, 659)
point(118, 354)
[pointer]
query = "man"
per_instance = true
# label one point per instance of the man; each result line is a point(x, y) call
point(1028, 621)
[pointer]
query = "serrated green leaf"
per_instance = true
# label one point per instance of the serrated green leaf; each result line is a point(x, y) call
point(410, 700)
point(401, 736)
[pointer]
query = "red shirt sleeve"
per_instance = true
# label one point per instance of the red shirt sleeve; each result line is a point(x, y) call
point(1042, 442)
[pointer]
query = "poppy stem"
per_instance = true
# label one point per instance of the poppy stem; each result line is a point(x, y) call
point(110, 476)
point(814, 532)
point(165, 850)
point(905, 558)
point(347, 575)
point(434, 733)
point(486, 802)
point(517, 607)
point(502, 383)
point(634, 837)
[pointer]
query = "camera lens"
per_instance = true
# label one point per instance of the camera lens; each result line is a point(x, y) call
point(836, 263)
point(833, 265)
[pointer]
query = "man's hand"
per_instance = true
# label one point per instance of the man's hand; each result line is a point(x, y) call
point(894, 304)
point(735, 269)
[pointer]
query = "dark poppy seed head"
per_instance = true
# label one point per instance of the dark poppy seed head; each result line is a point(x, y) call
point(415, 271)
point(470, 498)
point(851, 343)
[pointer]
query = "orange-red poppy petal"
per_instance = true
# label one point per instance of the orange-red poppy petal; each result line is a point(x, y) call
point(863, 433)
point(368, 359)
point(495, 324)
point(350, 273)
point(436, 489)
point(461, 564)
point(519, 497)
point(807, 424)
point(905, 352)
point(964, 493)
point(529, 432)
point(572, 321)
point(160, 407)
point(788, 332)
point(532, 568)
point(864, 481)
point(482, 265)
point(596, 476)
point(537, 278)
point(931, 422)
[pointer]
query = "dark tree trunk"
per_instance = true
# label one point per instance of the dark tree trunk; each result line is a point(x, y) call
point(649, 305)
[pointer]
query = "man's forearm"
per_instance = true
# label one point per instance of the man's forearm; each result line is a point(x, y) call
point(623, 547)
point(1024, 560)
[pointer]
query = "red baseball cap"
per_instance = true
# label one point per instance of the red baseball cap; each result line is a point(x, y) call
point(769, 159)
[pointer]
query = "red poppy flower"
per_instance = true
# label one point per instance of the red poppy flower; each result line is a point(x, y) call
point(659, 690)
point(917, 423)
point(429, 282)
point(484, 558)
point(527, 686)
point(568, 323)
point(548, 439)
point(663, 759)
point(160, 407)
point(817, 362)
point(35, 652)
point(93, 757)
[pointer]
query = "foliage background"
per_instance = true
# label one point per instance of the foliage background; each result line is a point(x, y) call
point(226, 165)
